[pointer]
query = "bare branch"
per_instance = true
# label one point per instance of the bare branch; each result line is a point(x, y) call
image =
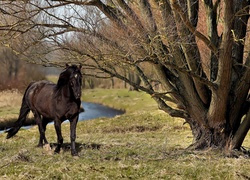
point(189, 25)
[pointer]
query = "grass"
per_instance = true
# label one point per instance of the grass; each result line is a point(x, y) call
point(10, 102)
point(144, 143)
point(131, 101)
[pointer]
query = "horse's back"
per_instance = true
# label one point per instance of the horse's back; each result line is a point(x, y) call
point(35, 88)
point(39, 96)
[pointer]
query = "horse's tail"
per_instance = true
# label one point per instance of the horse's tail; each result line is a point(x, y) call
point(22, 116)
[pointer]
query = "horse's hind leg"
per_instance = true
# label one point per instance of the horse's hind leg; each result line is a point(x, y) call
point(57, 124)
point(41, 128)
point(44, 124)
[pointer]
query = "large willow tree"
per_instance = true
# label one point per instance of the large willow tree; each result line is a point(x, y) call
point(197, 50)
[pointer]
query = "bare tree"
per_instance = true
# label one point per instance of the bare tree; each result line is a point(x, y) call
point(211, 92)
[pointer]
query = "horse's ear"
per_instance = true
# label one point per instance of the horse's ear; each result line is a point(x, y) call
point(67, 65)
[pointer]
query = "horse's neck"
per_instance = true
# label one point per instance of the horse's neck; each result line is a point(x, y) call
point(64, 92)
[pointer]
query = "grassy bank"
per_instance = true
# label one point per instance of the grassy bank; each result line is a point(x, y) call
point(144, 143)
point(131, 101)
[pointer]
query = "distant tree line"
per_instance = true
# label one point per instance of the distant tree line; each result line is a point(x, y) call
point(16, 73)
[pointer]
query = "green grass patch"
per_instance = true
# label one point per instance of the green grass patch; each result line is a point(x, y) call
point(144, 143)
point(131, 101)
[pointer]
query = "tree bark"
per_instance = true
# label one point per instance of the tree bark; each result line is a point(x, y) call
point(217, 119)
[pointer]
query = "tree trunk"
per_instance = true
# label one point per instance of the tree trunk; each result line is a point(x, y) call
point(205, 137)
point(133, 77)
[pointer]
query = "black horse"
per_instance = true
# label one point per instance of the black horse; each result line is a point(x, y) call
point(49, 101)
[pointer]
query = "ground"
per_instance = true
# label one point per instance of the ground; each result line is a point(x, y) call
point(144, 143)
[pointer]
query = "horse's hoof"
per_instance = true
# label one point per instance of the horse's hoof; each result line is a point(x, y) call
point(57, 151)
point(40, 146)
point(74, 154)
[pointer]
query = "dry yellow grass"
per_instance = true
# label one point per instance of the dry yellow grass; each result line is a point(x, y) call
point(10, 98)
point(10, 102)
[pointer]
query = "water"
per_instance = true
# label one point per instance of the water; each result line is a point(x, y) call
point(93, 111)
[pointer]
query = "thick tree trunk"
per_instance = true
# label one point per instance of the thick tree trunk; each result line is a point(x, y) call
point(207, 137)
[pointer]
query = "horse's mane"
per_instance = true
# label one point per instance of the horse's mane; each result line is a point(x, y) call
point(64, 77)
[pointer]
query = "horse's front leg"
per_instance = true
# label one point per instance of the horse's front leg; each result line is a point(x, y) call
point(57, 124)
point(73, 124)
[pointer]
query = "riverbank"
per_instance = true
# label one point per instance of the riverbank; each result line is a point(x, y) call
point(91, 111)
point(144, 143)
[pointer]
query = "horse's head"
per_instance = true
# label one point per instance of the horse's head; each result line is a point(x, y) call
point(71, 77)
point(75, 80)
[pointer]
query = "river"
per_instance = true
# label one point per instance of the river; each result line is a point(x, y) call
point(93, 111)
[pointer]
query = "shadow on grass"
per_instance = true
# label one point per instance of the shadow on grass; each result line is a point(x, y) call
point(79, 147)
